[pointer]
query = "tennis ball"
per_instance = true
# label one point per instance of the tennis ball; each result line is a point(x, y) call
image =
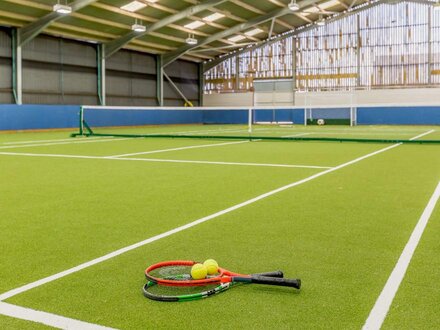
point(198, 271)
point(212, 266)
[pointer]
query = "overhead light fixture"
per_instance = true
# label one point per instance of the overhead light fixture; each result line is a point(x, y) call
point(134, 6)
point(62, 9)
point(437, 5)
point(191, 40)
point(293, 6)
point(320, 21)
point(136, 27)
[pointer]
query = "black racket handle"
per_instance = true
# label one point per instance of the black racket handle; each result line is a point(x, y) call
point(277, 273)
point(293, 283)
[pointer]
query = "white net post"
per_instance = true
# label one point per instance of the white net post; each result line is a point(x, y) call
point(250, 121)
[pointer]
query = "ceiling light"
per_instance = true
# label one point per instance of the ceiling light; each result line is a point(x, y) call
point(194, 25)
point(253, 32)
point(134, 6)
point(62, 9)
point(191, 40)
point(138, 27)
point(213, 17)
point(236, 38)
point(321, 21)
point(293, 6)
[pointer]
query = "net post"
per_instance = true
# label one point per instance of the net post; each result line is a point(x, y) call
point(250, 120)
point(81, 120)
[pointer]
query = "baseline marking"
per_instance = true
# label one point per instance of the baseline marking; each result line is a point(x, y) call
point(113, 254)
point(383, 303)
point(154, 160)
point(176, 149)
point(47, 318)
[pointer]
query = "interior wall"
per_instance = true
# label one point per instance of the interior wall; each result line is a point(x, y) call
point(64, 71)
point(412, 96)
point(5, 66)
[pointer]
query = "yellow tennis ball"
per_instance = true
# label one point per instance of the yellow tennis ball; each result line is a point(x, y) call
point(212, 266)
point(199, 271)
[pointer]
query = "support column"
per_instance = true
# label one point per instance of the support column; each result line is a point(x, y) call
point(17, 69)
point(294, 85)
point(358, 52)
point(430, 45)
point(201, 84)
point(159, 80)
point(101, 74)
point(237, 73)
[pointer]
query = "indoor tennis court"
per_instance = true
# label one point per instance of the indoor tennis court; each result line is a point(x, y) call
point(294, 136)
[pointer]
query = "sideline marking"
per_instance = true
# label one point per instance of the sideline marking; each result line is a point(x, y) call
point(176, 149)
point(113, 254)
point(158, 160)
point(58, 143)
point(53, 140)
point(50, 319)
point(383, 303)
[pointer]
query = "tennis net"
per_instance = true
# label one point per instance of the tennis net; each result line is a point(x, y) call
point(321, 123)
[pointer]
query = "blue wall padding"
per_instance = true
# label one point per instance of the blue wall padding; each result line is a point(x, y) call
point(22, 117)
point(398, 116)
point(15, 117)
point(225, 116)
point(279, 115)
point(342, 113)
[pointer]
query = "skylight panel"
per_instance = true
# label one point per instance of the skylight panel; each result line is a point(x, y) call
point(213, 17)
point(253, 32)
point(194, 25)
point(134, 6)
point(236, 38)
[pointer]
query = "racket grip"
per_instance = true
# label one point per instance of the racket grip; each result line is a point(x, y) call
point(293, 283)
point(277, 273)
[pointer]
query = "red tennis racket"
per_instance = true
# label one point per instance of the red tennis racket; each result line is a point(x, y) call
point(177, 273)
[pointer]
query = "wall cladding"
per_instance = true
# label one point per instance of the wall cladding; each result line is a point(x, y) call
point(5, 67)
point(63, 71)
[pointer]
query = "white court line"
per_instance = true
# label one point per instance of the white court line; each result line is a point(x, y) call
point(59, 143)
point(176, 149)
point(158, 160)
point(49, 319)
point(113, 254)
point(53, 140)
point(383, 303)
point(299, 134)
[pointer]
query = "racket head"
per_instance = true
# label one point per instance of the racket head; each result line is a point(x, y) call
point(178, 273)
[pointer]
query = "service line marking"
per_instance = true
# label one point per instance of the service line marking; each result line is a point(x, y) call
point(50, 319)
point(123, 250)
point(383, 303)
point(158, 160)
point(177, 149)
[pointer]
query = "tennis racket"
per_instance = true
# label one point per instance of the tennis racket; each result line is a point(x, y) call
point(168, 293)
point(175, 273)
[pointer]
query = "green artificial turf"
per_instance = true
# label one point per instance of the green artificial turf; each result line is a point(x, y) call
point(341, 233)
point(11, 323)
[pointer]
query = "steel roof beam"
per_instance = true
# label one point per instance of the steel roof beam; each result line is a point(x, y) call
point(209, 65)
point(174, 55)
point(113, 46)
point(30, 31)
